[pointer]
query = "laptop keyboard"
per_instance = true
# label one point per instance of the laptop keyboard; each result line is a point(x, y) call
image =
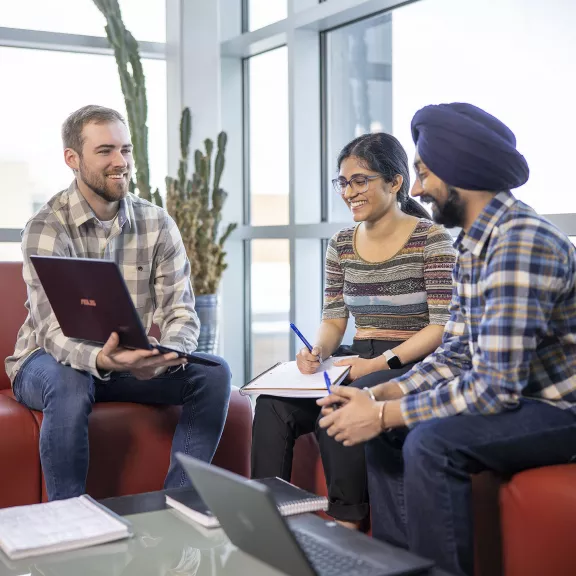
point(328, 561)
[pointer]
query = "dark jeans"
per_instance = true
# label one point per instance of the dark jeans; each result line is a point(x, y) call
point(419, 481)
point(278, 422)
point(66, 395)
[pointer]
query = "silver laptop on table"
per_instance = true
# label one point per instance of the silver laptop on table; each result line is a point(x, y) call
point(307, 545)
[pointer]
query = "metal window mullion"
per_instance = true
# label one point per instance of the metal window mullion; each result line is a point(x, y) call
point(324, 168)
point(291, 179)
point(62, 42)
point(246, 216)
point(245, 16)
point(247, 310)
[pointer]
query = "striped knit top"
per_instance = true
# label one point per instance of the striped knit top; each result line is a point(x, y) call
point(394, 299)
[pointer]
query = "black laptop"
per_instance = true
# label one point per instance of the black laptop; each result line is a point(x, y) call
point(90, 300)
point(304, 545)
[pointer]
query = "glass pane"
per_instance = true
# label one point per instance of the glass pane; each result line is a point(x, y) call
point(264, 12)
point(82, 17)
point(503, 76)
point(268, 109)
point(270, 301)
point(359, 86)
point(32, 166)
point(10, 252)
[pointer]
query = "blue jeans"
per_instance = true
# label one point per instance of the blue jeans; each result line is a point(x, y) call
point(66, 395)
point(419, 481)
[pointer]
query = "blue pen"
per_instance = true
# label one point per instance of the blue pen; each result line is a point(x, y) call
point(306, 343)
point(299, 334)
point(327, 380)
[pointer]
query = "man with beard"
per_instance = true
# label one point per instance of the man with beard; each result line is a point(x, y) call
point(96, 217)
point(500, 391)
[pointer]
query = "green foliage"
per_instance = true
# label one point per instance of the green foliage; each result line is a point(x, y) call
point(196, 205)
point(133, 86)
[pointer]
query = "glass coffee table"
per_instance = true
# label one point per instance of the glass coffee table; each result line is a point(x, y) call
point(165, 543)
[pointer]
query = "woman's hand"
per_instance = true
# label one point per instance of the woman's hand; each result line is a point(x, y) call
point(308, 362)
point(360, 366)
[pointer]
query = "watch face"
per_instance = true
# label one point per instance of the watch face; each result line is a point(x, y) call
point(394, 362)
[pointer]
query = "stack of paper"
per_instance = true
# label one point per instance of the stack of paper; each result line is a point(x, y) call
point(285, 379)
point(58, 526)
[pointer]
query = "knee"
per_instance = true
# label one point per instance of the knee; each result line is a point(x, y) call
point(266, 406)
point(68, 387)
point(425, 443)
point(218, 380)
point(272, 412)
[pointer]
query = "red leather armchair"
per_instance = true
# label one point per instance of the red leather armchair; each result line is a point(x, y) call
point(129, 443)
point(523, 526)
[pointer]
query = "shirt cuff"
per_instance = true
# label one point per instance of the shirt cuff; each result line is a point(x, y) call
point(416, 408)
point(92, 366)
point(405, 389)
point(177, 344)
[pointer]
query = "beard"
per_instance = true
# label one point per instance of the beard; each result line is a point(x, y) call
point(100, 184)
point(451, 213)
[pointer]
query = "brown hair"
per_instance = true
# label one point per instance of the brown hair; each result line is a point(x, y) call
point(74, 124)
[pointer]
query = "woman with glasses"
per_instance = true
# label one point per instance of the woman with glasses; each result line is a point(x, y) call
point(392, 271)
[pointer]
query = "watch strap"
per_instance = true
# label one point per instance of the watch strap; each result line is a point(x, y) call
point(392, 360)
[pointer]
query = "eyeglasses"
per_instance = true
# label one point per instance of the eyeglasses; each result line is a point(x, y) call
point(358, 183)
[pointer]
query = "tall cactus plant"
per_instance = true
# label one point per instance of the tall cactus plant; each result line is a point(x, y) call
point(196, 205)
point(133, 86)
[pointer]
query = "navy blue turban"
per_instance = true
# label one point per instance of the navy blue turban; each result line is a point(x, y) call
point(468, 148)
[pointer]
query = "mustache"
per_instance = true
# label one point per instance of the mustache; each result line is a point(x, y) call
point(427, 199)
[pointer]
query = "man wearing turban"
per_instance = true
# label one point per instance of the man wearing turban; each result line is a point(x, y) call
point(500, 392)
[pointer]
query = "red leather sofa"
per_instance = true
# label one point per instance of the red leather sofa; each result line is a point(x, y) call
point(523, 526)
point(129, 443)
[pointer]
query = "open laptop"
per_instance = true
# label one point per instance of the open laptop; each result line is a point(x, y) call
point(90, 300)
point(305, 545)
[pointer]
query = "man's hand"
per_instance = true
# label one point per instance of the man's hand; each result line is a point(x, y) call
point(361, 366)
point(143, 364)
point(358, 419)
point(308, 362)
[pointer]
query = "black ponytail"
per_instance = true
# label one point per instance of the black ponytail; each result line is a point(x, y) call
point(410, 206)
point(382, 153)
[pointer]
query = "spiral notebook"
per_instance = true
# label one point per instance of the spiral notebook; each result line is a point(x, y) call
point(290, 500)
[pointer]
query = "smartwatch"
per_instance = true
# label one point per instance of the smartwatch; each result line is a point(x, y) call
point(392, 360)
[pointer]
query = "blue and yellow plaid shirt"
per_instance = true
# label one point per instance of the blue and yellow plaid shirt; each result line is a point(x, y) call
point(512, 327)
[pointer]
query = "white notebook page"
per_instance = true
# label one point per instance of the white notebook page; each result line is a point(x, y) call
point(286, 376)
point(57, 526)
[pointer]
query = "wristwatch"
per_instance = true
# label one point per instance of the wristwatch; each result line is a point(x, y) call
point(392, 360)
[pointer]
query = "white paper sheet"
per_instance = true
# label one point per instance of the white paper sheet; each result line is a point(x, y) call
point(57, 526)
point(286, 380)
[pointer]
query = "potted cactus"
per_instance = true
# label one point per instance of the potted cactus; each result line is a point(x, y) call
point(196, 205)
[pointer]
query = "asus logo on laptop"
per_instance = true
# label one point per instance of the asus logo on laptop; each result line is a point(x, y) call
point(87, 302)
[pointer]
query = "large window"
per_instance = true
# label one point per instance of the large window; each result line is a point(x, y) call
point(268, 189)
point(371, 71)
point(32, 167)
point(83, 17)
point(268, 136)
point(510, 57)
point(264, 12)
point(270, 303)
point(359, 85)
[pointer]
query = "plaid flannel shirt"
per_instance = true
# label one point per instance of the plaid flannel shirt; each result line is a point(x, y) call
point(146, 244)
point(512, 327)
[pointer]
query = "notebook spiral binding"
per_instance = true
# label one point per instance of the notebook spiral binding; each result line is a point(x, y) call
point(304, 506)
